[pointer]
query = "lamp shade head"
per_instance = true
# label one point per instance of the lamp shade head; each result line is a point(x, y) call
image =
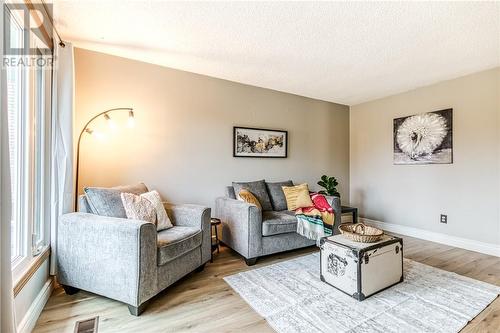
point(111, 123)
point(131, 119)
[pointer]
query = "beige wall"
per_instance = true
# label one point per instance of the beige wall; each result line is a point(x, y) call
point(467, 190)
point(182, 143)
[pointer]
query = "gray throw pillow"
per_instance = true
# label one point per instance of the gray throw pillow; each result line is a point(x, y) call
point(277, 195)
point(258, 189)
point(108, 202)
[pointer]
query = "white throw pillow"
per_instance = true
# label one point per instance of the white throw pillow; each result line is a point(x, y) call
point(146, 207)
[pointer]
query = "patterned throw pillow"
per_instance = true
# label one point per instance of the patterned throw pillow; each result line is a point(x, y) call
point(297, 196)
point(146, 207)
point(247, 196)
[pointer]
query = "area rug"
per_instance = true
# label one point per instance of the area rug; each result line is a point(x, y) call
point(292, 298)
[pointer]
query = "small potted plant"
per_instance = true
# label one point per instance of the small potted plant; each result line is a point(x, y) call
point(330, 186)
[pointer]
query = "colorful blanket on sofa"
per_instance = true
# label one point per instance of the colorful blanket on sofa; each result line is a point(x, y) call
point(316, 221)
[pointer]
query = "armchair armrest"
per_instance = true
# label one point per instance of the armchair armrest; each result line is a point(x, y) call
point(197, 216)
point(109, 256)
point(241, 226)
point(188, 215)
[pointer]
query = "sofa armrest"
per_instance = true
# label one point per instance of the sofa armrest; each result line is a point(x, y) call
point(241, 226)
point(197, 216)
point(109, 256)
point(337, 211)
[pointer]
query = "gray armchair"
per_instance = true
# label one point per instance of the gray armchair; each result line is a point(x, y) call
point(128, 260)
point(253, 233)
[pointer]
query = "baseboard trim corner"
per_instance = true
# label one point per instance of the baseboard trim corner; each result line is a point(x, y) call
point(28, 323)
point(464, 243)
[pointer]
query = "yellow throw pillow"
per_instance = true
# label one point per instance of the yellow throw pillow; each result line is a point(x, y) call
point(247, 196)
point(297, 196)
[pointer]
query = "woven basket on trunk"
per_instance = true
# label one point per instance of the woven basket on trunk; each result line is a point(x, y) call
point(360, 232)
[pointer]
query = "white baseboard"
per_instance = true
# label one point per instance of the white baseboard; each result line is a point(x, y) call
point(464, 243)
point(28, 323)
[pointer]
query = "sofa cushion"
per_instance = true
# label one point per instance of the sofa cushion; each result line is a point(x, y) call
point(176, 241)
point(277, 195)
point(275, 223)
point(108, 202)
point(258, 189)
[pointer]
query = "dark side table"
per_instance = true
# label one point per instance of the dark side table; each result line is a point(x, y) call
point(351, 210)
point(214, 236)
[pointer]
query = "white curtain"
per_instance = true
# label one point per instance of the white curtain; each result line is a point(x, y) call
point(7, 318)
point(62, 142)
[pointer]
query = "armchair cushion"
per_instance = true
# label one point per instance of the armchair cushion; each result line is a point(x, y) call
point(277, 195)
point(230, 192)
point(176, 241)
point(108, 202)
point(275, 223)
point(258, 189)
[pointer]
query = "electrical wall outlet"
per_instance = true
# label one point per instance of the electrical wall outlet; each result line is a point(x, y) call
point(444, 218)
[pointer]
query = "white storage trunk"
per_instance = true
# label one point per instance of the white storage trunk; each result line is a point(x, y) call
point(361, 269)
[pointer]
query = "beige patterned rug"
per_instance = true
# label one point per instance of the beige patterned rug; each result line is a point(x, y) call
point(291, 297)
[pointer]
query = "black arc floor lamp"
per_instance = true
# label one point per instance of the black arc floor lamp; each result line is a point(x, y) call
point(88, 130)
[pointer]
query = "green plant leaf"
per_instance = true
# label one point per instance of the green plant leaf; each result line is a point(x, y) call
point(322, 184)
point(329, 184)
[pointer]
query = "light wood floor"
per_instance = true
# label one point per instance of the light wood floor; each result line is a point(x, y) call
point(203, 302)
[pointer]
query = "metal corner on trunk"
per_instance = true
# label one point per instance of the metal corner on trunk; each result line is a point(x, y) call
point(359, 296)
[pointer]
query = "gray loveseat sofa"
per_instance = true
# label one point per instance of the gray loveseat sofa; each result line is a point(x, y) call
point(254, 233)
point(128, 260)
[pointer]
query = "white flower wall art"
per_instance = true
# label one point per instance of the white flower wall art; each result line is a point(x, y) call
point(425, 138)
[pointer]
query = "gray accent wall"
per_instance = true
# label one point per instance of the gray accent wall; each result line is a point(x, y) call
point(415, 195)
point(182, 141)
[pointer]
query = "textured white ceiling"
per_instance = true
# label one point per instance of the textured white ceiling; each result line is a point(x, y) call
point(344, 52)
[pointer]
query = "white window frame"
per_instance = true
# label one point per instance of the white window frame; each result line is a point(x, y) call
point(21, 260)
point(33, 208)
point(41, 208)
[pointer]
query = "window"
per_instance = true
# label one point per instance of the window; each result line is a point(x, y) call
point(16, 119)
point(29, 123)
point(42, 163)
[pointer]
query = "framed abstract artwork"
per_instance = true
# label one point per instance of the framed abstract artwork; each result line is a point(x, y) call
point(425, 138)
point(259, 142)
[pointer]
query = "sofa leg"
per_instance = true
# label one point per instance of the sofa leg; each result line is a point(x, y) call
point(70, 290)
point(200, 269)
point(250, 261)
point(137, 310)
